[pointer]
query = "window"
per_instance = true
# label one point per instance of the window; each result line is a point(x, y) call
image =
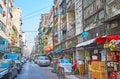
point(1, 9)
point(10, 10)
point(8, 0)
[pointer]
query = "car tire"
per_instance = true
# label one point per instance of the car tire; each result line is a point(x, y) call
point(18, 71)
point(9, 76)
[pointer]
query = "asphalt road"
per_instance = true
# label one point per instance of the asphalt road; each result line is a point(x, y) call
point(33, 71)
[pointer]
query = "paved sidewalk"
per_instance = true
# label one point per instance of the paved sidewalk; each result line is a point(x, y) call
point(82, 77)
point(71, 77)
point(76, 77)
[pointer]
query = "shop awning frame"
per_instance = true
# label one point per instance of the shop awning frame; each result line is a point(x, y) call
point(58, 51)
point(107, 38)
point(85, 43)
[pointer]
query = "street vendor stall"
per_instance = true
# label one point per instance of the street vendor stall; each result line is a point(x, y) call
point(113, 59)
point(110, 55)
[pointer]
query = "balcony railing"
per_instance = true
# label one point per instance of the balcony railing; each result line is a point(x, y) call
point(2, 27)
point(61, 1)
point(64, 25)
point(2, 47)
point(71, 33)
point(69, 4)
point(63, 38)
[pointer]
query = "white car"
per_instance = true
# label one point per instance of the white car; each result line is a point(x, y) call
point(43, 61)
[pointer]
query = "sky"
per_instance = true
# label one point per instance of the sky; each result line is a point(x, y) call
point(31, 11)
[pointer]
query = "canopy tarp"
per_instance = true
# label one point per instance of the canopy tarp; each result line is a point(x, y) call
point(12, 56)
point(58, 51)
point(105, 39)
point(86, 43)
point(48, 48)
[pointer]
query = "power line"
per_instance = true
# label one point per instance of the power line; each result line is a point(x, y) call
point(32, 16)
point(29, 14)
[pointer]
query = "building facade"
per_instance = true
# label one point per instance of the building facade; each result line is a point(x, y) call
point(42, 36)
point(5, 24)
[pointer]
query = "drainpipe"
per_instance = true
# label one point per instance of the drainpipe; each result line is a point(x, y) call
point(83, 31)
point(106, 34)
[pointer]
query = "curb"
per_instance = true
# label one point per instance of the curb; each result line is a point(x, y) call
point(71, 77)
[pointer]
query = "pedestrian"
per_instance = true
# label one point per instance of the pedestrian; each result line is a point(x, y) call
point(80, 67)
point(75, 65)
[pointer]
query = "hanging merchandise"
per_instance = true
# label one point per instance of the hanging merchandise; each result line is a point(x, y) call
point(114, 45)
point(103, 55)
point(88, 56)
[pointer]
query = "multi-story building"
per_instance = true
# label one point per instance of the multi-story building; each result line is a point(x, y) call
point(80, 22)
point(50, 31)
point(79, 19)
point(9, 29)
point(42, 32)
point(5, 23)
point(91, 15)
point(112, 17)
point(16, 25)
point(56, 25)
point(23, 43)
point(44, 20)
point(36, 40)
point(9, 6)
point(71, 39)
point(64, 24)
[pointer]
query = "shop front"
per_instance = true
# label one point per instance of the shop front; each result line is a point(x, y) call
point(70, 53)
point(84, 52)
point(111, 55)
point(101, 57)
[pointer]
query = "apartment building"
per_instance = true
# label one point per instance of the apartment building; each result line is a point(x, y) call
point(16, 25)
point(42, 36)
point(5, 23)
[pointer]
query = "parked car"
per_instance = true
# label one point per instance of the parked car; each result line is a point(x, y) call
point(13, 72)
point(43, 61)
point(23, 60)
point(18, 65)
point(4, 68)
point(8, 69)
point(15, 59)
point(36, 60)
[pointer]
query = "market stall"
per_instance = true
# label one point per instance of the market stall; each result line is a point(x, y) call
point(110, 55)
point(113, 59)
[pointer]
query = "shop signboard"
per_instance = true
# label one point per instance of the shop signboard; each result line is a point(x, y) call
point(106, 45)
point(84, 34)
point(95, 51)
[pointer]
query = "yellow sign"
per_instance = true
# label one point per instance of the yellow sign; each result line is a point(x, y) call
point(106, 45)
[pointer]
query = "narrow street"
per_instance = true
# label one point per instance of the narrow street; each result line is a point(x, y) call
point(31, 70)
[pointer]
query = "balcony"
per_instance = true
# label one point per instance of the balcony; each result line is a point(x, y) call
point(70, 5)
point(61, 1)
point(2, 47)
point(110, 1)
point(71, 33)
point(63, 38)
point(63, 11)
point(2, 27)
point(64, 25)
